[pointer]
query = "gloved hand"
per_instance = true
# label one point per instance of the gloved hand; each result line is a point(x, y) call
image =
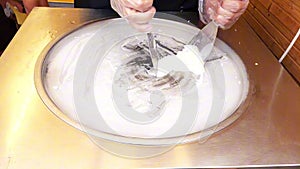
point(224, 12)
point(138, 13)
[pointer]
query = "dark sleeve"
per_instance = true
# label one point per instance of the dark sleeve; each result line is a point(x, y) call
point(96, 4)
point(7, 30)
point(176, 5)
point(160, 5)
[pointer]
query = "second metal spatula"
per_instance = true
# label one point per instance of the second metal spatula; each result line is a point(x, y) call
point(205, 39)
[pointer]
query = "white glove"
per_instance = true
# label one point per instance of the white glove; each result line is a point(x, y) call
point(224, 12)
point(137, 12)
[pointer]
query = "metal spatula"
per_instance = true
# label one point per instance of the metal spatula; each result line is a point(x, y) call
point(153, 51)
point(205, 39)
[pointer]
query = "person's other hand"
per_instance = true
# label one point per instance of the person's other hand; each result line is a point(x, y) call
point(137, 12)
point(30, 4)
point(12, 3)
point(224, 12)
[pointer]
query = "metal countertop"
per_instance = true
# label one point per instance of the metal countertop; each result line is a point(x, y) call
point(267, 134)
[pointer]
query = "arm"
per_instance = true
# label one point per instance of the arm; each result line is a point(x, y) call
point(12, 3)
point(30, 4)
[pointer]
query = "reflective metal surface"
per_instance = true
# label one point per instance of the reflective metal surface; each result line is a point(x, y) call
point(32, 137)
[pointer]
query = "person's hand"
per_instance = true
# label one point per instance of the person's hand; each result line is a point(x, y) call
point(224, 12)
point(30, 4)
point(137, 12)
point(12, 3)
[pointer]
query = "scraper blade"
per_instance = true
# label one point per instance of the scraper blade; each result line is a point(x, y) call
point(153, 51)
point(205, 39)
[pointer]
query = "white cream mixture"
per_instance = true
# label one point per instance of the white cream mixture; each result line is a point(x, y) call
point(59, 84)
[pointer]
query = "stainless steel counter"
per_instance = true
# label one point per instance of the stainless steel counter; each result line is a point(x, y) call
point(32, 137)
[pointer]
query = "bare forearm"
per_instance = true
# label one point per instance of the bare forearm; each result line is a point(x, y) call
point(30, 4)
